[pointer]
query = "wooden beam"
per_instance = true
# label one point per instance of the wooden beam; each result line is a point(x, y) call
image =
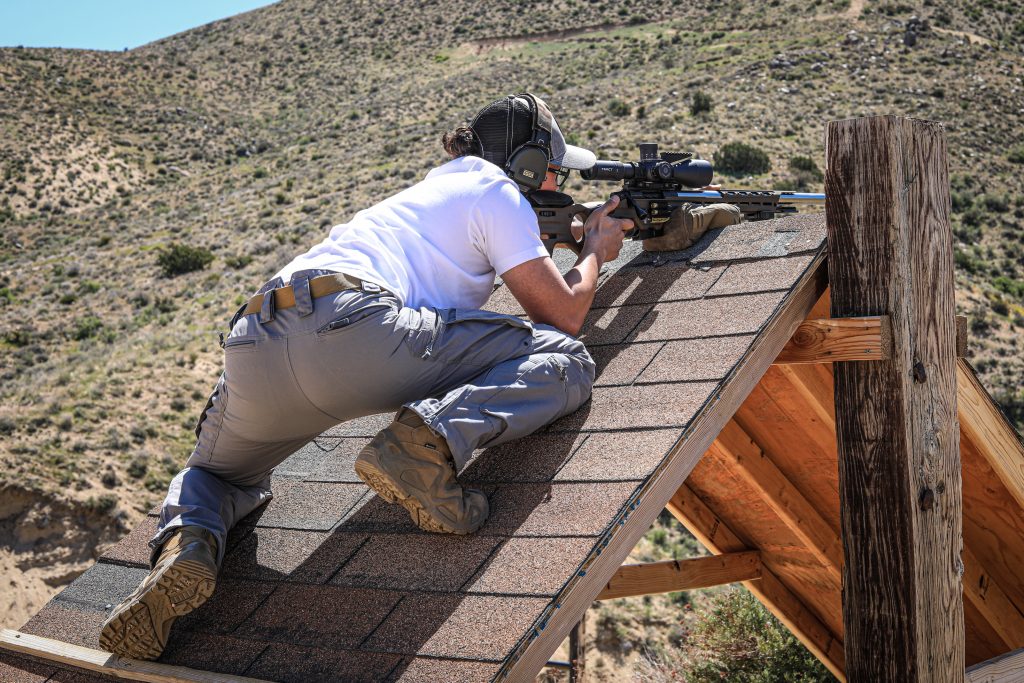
point(984, 425)
point(890, 253)
point(1008, 668)
point(668, 576)
point(748, 460)
point(106, 663)
point(991, 601)
point(825, 340)
point(716, 536)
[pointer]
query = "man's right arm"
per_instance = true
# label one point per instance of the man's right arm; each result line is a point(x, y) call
point(563, 302)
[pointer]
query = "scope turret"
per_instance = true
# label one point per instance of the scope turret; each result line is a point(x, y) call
point(667, 168)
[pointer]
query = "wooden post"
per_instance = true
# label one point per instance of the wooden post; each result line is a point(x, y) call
point(577, 651)
point(890, 253)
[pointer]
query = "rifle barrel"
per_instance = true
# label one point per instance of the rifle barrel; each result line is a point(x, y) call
point(784, 196)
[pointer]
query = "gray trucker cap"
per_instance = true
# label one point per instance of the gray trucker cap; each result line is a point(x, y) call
point(505, 124)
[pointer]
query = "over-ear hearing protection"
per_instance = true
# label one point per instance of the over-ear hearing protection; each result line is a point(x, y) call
point(528, 163)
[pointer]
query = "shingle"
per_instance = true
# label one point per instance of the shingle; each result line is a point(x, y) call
point(621, 363)
point(207, 652)
point(696, 359)
point(294, 664)
point(659, 405)
point(429, 670)
point(761, 276)
point(14, 669)
point(618, 456)
point(611, 325)
point(290, 555)
point(530, 566)
point(67, 622)
point(649, 284)
point(133, 550)
point(707, 317)
point(373, 515)
point(532, 458)
point(103, 585)
point(435, 562)
point(413, 622)
point(301, 462)
point(309, 505)
point(64, 676)
point(319, 616)
point(363, 426)
point(555, 509)
point(339, 460)
point(763, 239)
point(232, 602)
point(484, 627)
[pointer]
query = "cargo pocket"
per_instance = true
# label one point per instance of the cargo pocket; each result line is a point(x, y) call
point(478, 337)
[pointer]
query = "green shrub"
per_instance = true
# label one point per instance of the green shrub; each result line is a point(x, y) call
point(86, 327)
point(1016, 155)
point(178, 259)
point(739, 158)
point(806, 166)
point(618, 108)
point(738, 640)
point(700, 103)
point(1008, 285)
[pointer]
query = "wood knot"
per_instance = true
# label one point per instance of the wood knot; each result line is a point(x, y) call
point(920, 374)
point(926, 501)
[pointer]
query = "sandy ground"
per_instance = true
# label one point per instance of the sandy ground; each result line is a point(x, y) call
point(44, 545)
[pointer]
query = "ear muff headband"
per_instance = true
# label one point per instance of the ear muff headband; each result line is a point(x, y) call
point(528, 163)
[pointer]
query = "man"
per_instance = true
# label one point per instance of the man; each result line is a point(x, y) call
point(383, 315)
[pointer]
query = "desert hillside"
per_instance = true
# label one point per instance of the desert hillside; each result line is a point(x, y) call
point(236, 145)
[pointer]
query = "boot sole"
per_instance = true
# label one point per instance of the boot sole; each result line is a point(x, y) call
point(390, 491)
point(134, 629)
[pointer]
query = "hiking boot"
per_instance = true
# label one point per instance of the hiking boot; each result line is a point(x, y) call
point(408, 464)
point(182, 580)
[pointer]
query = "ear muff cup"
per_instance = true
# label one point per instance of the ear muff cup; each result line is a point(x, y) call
point(528, 166)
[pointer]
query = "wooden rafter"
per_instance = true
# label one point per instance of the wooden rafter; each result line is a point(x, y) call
point(710, 530)
point(682, 575)
point(108, 664)
point(832, 339)
point(991, 601)
point(748, 460)
point(988, 430)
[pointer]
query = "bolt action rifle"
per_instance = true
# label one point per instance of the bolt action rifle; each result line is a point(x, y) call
point(652, 189)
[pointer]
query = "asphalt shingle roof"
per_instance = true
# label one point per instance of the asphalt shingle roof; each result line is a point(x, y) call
point(327, 582)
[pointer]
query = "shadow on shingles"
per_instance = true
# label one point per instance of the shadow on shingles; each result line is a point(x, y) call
point(375, 569)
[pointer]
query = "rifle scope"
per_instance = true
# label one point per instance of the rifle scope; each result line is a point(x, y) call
point(674, 168)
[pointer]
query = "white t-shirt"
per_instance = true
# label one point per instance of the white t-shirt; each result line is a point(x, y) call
point(438, 243)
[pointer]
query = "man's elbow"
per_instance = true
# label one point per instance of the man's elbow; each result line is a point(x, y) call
point(569, 323)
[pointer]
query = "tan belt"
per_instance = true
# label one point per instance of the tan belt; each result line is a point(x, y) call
point(321, 285)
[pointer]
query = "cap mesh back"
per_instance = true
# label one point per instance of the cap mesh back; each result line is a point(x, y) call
point(500, 130)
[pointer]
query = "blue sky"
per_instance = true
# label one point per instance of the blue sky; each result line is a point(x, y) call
point(107, 24)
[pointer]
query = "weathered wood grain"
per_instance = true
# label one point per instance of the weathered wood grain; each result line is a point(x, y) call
point(1008, 668)
point(668, 576)
point(890, 253)
point(831, 339)
point(108, 664)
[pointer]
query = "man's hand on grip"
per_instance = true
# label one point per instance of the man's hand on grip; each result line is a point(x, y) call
point(604, 234)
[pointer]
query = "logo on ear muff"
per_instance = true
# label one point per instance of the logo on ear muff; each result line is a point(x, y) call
point(528, 163)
